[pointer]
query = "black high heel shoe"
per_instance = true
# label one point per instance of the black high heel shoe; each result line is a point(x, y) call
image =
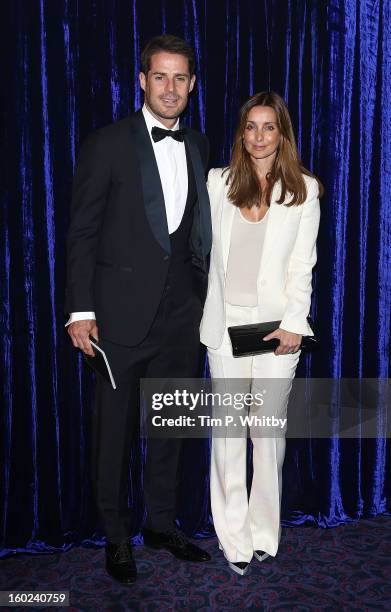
point(261, 555)
point(240, 567)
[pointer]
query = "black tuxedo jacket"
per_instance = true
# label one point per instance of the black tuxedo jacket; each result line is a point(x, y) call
point(118, 247)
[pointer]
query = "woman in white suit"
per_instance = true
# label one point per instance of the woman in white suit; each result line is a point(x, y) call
point(265, 218)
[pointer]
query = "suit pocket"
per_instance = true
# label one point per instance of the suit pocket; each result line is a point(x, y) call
point(113, 266)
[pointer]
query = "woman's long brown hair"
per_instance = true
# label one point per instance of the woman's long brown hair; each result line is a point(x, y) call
point(244, 187)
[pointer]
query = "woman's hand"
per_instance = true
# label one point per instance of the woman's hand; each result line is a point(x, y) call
point(289, 342)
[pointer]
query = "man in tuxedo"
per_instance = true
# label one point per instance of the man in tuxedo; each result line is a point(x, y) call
point(138, 242)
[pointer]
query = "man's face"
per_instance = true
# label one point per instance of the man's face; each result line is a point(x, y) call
point(167, 86)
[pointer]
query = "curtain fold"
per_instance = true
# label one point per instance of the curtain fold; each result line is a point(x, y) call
point(70, 67)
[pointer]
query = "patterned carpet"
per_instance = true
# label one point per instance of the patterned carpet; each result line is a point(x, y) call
point(345, 568)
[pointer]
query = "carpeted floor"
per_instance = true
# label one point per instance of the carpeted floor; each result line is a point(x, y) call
point(345, 568)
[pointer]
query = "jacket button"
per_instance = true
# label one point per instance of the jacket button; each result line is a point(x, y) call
point(166, 257)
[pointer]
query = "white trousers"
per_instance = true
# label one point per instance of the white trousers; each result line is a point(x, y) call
point(244, 524)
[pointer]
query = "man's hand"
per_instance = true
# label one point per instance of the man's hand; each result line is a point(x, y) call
point(289, 342)
point(79, 332)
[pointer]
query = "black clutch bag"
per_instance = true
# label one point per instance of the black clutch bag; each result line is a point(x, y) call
point(248, 339)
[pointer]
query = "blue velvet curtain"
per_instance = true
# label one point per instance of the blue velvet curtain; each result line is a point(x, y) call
point(71, 66)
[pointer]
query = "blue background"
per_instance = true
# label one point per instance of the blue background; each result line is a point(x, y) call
point(69, 67)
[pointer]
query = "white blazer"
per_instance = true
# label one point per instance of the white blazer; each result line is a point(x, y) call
point(285, 273)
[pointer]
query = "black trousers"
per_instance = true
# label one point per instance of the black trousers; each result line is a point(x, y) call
point(171, 349)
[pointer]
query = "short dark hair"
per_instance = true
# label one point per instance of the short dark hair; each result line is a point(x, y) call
point(170, 44)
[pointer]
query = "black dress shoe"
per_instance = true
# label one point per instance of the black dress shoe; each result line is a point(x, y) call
point(176, 543)
point(120, 564)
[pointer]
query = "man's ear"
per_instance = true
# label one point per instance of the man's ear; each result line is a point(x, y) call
point(192, 81)
point(143, 80)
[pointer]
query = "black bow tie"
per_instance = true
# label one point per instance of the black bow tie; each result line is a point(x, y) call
point(158, 134)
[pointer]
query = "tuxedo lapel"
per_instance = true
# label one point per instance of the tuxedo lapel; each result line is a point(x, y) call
point(152, 187)
point(205, 222)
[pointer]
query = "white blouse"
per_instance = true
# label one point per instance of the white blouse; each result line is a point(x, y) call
point(245, 252)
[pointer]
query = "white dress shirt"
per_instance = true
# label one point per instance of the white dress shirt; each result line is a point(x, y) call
point(171, 162)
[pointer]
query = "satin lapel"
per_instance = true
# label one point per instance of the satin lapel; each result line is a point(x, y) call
point(278, 214)
point(227, 217)
point(152, 186)
point(202, 195)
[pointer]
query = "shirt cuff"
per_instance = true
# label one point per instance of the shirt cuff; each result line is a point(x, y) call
point(79, 316)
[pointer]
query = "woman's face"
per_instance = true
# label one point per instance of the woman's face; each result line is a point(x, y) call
point(261, 133)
